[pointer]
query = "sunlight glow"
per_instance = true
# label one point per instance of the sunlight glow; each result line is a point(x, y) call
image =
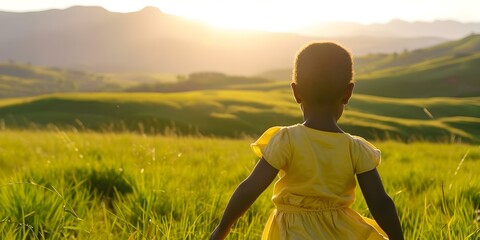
point(233, 14)
point(283, 15)
point(258, 15)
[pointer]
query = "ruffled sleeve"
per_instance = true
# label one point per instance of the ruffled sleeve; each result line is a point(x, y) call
point(365, 155)
point(274, 146)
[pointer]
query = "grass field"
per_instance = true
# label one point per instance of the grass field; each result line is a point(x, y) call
point(85, 185)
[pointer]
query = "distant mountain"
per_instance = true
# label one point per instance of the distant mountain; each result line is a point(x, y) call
point(395, 28)
point(93, 39)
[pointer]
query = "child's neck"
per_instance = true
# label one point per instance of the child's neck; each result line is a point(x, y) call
point(321, 118)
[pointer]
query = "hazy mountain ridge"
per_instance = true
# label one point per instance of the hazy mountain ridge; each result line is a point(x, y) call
point(448, 29)
point(93, 39)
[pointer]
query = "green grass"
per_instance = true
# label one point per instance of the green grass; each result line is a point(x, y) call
point(87, 185)
point(234, 113)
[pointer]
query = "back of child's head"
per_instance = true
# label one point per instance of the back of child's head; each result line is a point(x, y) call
point(322, 72)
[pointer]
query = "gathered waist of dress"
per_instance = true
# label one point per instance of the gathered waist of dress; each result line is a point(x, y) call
point(299, 209)
point(289, 202)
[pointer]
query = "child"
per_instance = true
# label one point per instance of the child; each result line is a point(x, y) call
point(317, 162)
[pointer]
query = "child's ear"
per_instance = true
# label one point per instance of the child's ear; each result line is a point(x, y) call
point(348, 93)
point(295, 92)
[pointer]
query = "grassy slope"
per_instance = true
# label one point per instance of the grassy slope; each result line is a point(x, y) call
point(189, 112)
point(208, 81)
point(17, 80)
point(458, 48)
point(234, 113)
point(446, 70)
point(23, 80)
point(447, 76)
point(63, 184)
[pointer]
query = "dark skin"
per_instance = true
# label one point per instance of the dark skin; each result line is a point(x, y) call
point(380, 204)
point(246, 193)
point(321, 117)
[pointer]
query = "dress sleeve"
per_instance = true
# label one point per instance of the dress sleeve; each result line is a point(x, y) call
point(365, 156)
point(274, 146)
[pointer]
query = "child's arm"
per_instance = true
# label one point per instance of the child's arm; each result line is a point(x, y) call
point(380, 204)
point(244, 196)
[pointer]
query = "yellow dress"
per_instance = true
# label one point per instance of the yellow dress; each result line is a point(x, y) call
point(316, 184)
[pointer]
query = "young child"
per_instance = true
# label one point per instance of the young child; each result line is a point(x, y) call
point(317, 163)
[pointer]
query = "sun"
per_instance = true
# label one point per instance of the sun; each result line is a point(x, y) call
point(247, 14)
point(270, 15)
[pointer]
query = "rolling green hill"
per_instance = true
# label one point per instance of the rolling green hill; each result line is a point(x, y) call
point(19, 80)
point(23, 80)
point(446, 70)
point(451, 76)
point(208, 81)
point(233, 113)
point(459, 48)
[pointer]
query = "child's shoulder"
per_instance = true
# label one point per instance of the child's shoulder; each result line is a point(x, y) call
point(276, 130)
point(361, 142)
point(365, 155)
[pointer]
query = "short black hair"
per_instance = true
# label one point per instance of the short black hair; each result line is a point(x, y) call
point(322, 71)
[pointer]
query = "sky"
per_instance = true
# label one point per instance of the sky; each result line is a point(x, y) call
point(278, 15)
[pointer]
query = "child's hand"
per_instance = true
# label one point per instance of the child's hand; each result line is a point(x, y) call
point(219, 233)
